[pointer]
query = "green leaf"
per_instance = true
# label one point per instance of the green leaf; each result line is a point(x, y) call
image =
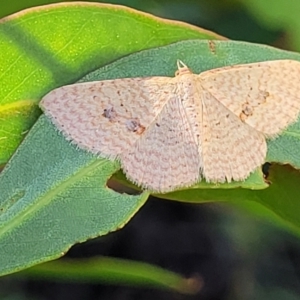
point(201, 56)
point(46, 47)
point(54, 195)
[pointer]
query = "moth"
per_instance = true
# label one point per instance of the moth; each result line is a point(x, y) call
point(170, 132)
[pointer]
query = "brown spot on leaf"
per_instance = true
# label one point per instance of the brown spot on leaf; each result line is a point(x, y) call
point(212, 47)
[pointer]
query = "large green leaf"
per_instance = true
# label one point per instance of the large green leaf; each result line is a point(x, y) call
point(54, 198)
point(54, 194)
point(50, 46)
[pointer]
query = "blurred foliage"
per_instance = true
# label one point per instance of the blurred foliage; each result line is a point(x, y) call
point(266, 260)
point(280, 15)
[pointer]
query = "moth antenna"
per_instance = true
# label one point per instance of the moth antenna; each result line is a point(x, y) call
point(182, 68)
point(181, 64)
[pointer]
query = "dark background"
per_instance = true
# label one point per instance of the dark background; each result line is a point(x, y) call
point(238, 256)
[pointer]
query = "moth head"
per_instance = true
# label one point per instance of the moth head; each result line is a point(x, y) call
point(182, 68)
